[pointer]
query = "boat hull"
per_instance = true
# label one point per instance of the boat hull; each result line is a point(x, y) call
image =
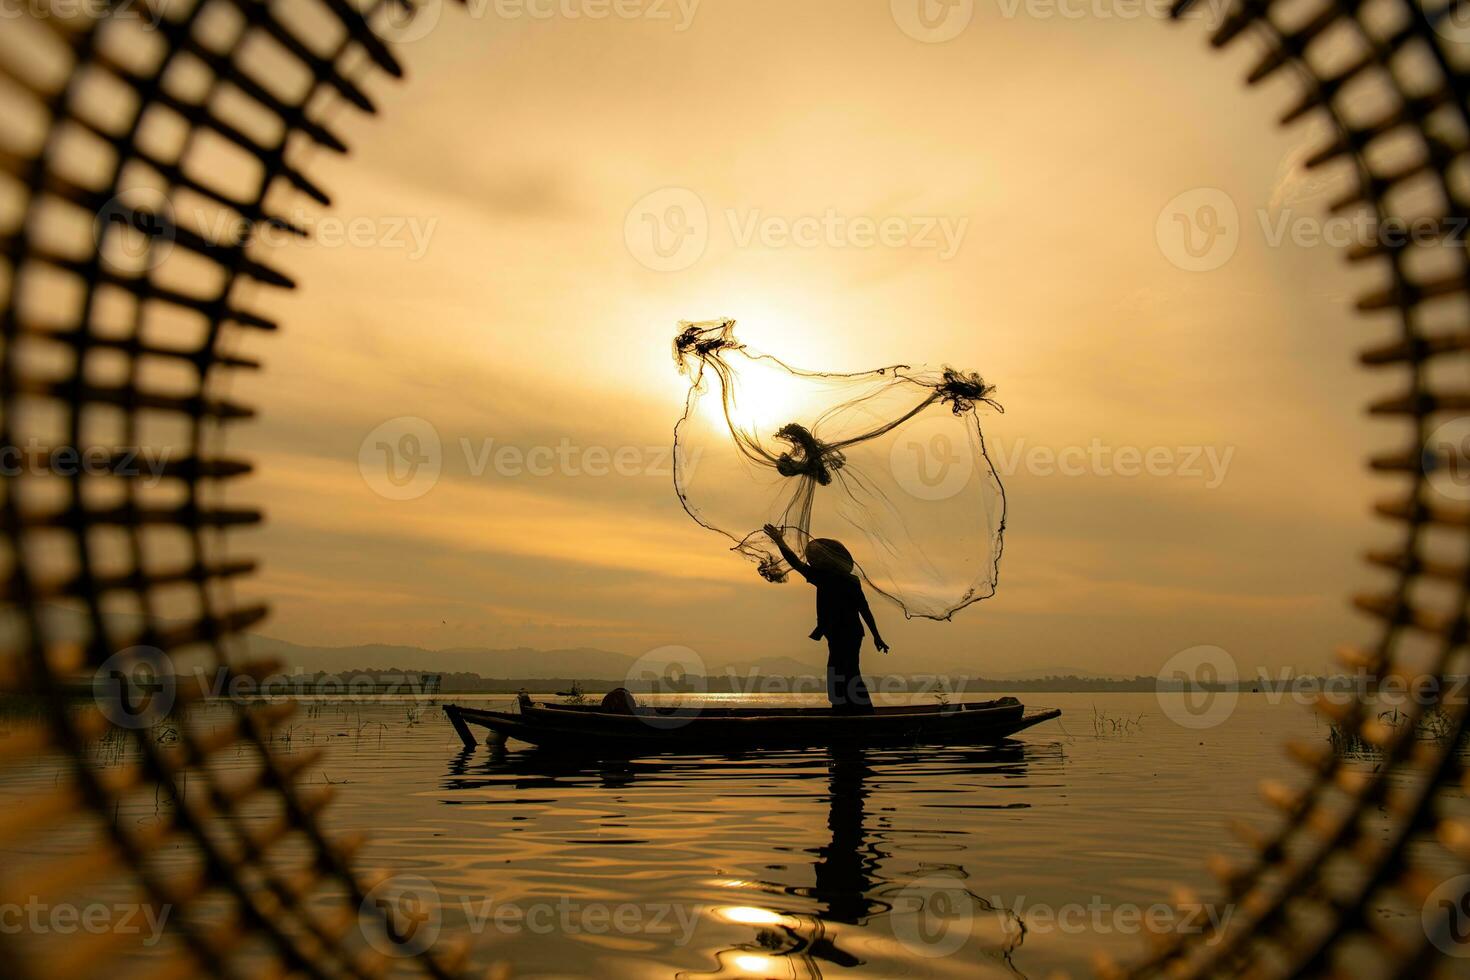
point(589, 730)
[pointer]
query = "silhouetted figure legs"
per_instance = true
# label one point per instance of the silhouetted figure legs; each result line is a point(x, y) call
point(845, 688)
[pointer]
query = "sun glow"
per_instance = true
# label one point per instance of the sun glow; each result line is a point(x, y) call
point(765, 401)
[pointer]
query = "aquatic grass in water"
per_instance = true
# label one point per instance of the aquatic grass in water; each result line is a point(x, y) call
point(1433, 726)
point(1106, 725)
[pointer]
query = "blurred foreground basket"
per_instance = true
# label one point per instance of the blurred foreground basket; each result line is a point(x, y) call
point(120, 318)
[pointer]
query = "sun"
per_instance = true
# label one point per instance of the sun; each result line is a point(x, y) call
point(765, 399)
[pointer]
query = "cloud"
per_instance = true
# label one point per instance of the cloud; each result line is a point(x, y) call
point(490, 518)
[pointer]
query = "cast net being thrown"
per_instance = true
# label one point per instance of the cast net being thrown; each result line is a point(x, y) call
point(891, 462)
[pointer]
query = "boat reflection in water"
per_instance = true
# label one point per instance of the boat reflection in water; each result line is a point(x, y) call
point(856, 914)
point(851, 891)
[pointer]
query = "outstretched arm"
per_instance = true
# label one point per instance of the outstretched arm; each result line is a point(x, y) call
point(802, 568)
point(867, 614)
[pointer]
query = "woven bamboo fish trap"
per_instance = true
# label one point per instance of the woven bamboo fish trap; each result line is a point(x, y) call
point(109, 128)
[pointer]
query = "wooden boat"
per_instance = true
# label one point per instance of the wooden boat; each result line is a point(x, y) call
point(597, 729)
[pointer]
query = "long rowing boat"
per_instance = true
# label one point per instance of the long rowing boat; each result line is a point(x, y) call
point(639, 728)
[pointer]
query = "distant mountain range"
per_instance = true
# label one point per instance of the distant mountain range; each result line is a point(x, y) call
point(520, 662)
point(584, 663)
point(1039, 673)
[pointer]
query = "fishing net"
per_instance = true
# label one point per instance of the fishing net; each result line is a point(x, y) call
point(891, 462)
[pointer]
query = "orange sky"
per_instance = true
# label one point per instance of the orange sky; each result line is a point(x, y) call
point(485, 274)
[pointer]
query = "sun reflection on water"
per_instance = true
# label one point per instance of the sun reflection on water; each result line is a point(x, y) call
point(751, 916)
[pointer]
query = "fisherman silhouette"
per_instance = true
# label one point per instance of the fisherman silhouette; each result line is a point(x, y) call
point(841, 611)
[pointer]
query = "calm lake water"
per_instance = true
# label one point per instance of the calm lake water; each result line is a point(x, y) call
point(1018, 860)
